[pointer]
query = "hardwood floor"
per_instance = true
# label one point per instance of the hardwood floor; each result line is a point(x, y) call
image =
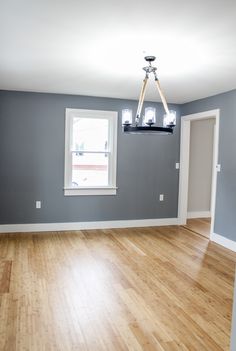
point(162, 288)
point(201, 226)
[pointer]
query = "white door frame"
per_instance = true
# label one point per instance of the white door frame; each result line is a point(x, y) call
point(184, 163)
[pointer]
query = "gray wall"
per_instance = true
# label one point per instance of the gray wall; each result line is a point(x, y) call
point(32, 164)
point(233, 331)
point(200, 165)
point(225, 219)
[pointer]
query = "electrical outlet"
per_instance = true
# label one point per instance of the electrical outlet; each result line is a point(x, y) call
point(38, 204)
point(161, 197)
point(177, 165)
point(218, 167)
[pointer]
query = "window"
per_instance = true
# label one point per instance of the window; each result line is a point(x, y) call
point(90, 152)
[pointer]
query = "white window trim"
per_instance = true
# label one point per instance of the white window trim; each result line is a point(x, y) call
point(112, 116)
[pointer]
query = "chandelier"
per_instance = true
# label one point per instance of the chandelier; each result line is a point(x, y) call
point(147, 123)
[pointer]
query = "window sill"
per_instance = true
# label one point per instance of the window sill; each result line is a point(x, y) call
point(90, 191)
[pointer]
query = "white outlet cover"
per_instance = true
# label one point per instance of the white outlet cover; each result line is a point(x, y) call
point(38, 204)
point(177, 165)
point(161, 197)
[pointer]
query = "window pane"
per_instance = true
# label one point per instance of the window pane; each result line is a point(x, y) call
point(90, 134)
point(89, 169)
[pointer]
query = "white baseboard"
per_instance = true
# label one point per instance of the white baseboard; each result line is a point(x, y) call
point(41, 227)
point(199, 214)
point(221, 240)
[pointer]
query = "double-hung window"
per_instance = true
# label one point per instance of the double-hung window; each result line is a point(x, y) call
point(90, 152)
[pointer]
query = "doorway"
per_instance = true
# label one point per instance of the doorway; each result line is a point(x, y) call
point(198, 171)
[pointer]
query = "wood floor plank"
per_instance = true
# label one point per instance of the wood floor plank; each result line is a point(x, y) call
point(200, 226)
point(154, 289)
point(5, 275)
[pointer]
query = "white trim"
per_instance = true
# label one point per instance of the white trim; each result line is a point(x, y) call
point(112, 117)
point(90, 191)
point(184, 163)
point(183, 172)
point(199, 214)
point(214, 171)
point(40, 227)
point(201, 115)
point(221, 240)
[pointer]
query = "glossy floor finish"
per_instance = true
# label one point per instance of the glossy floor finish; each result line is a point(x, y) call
point(162, 288)
point(201, 226)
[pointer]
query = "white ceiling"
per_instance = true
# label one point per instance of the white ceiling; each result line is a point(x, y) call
point(97, 47)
